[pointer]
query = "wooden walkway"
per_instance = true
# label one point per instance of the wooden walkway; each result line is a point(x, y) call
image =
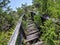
point(32, 37)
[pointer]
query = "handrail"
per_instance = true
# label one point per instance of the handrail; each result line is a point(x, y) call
point(14, 36)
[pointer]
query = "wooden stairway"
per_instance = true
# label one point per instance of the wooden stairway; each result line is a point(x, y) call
point(32, 36)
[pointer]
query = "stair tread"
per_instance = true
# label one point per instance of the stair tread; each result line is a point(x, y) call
point(30, 25)
point(31, 28)
point(32, 32)
point(34, 29)
point(32, 37)
point(38, 43)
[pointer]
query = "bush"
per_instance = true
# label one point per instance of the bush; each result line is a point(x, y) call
point(37, 20)
point(49, 33)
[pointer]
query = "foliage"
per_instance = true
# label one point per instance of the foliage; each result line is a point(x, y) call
point(37, 20)
point(50, 30)
point(7, 22)
point(5, 36)
point(3, 3)
point(19, 11)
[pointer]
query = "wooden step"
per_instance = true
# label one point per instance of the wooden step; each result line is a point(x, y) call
point(28, 32)
point(30, 21)
point(32, 37)
point(31, 25)
point(31, 32)
point(30, 29)
point(38, 43)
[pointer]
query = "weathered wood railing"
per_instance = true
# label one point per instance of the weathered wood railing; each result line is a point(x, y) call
point(14, 36)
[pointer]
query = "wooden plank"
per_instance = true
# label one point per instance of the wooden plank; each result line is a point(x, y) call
point(38, 43)
point(32, 29)
point(31, 25)
point(32, 37)
point(29, 33)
